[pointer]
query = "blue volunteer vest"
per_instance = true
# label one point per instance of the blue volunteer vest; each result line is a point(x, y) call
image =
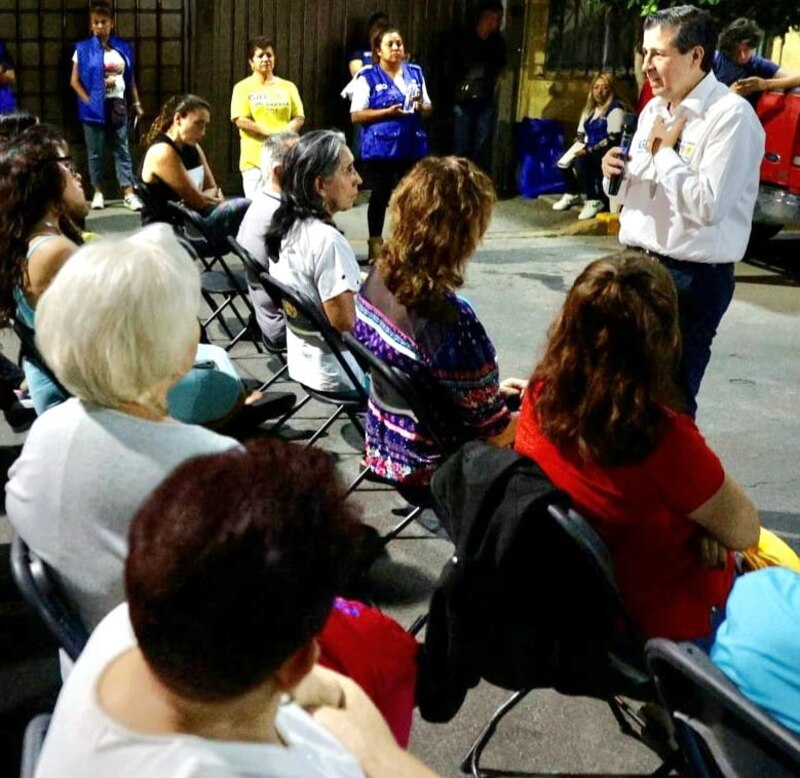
point(92, 75)
point(597, 129)
point(401, 137)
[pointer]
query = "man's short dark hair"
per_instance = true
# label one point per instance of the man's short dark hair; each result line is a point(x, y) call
point(233, 565)
point(693, 27)
point(740, 31)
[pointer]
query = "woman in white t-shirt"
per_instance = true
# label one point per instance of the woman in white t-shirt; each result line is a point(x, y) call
point(310, 255)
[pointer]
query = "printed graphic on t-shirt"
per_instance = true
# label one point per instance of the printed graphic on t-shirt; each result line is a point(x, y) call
point(113, 70)
point(267, 100)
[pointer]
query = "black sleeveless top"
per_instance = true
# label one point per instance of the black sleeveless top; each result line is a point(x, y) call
point(157, 192)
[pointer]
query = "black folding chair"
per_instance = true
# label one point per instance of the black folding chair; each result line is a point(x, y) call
point(430, 404)
point(305, 320)
point(721, 733)
point(222, 289)
point(609, 670)
point(252, 270)
point(32, 743)
point(42, 592)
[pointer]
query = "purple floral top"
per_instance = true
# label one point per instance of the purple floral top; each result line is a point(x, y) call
point(456, 351)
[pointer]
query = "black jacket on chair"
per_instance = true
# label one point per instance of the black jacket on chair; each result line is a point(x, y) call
point(515, 604)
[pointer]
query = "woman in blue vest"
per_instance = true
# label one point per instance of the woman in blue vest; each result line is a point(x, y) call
point(389, 98)
point(102, 77)
point(600, 128)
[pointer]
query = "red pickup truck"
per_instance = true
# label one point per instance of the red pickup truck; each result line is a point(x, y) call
point(778, 201)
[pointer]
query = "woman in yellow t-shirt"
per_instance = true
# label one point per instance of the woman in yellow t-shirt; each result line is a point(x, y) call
point(261, 105)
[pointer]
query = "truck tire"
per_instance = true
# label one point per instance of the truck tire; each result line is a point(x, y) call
point(760, 234)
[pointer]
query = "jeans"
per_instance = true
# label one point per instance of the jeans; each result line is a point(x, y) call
point(223, 220)
point(585, 177)
point(704, 294)
point(96, 136)
point(473, 122)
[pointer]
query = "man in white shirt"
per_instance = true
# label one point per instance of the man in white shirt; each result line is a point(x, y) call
point(691, 181)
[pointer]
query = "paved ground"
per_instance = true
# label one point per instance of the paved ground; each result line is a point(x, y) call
point(517, 281)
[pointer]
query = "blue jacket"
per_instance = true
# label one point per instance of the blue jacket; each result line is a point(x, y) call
point(92, 76)
point(7, 101)
point(401, 137)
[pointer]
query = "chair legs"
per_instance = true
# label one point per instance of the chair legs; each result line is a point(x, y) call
point(471, 763)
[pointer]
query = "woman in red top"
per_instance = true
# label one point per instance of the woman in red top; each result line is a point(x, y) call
point(602, 419)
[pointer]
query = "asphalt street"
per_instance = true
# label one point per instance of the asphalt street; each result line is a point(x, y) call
point(748, 410)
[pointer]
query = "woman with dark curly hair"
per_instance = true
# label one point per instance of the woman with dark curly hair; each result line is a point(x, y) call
point(408, 314)
point(601, 417)
point(175, 169)
point(42, 194)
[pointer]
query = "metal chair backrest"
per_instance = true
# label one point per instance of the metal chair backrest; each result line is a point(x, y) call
point(305, 320)
point(419, 393)
point(32, 743)
point(720, 731)
point(41, 591)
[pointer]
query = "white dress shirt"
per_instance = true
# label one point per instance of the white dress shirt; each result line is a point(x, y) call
point(695, 202)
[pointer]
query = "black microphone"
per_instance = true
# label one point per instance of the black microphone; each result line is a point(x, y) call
point(628, 129)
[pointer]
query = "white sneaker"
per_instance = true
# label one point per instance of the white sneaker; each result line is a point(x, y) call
point(567, 200)
point(591, 209)
point(98, 201)
point(132, 202)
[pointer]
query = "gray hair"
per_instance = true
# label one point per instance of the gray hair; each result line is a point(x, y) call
point(317, 154)
point(120, 316)
point(273, 153)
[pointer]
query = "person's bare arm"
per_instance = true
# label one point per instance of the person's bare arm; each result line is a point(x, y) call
point(341, 311)
point(507, 436)
point(135, 102)
point(369, 115)
point(354, 65)
point(163, 162)
point(210, 188)
point(75, 83)
point(7, 76)
point(730, 516)
point(44, 264)
point(296, 124)
point(360, 727)
point(781, 80)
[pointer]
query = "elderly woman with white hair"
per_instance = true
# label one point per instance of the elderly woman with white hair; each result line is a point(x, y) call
point(118, 326)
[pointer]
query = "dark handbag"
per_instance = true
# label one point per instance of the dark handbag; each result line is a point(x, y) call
point(116, 112)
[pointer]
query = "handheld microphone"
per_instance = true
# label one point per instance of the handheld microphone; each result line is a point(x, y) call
point(628, 129)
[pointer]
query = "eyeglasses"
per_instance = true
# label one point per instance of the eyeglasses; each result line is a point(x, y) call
point(68, 163)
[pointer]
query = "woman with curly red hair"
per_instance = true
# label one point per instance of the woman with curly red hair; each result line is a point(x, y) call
point(408, 314)
point(601, 417)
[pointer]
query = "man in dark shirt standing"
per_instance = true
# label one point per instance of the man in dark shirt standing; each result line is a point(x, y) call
point(477, 60)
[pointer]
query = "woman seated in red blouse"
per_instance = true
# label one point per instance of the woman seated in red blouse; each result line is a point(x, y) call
point(602, 418)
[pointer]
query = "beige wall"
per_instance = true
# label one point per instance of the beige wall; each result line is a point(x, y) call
point(549, 95)
point(786, 51)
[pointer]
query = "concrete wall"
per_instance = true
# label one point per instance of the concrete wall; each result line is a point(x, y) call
point(553, 95)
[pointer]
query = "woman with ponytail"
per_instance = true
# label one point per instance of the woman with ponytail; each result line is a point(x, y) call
point(175, 169)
